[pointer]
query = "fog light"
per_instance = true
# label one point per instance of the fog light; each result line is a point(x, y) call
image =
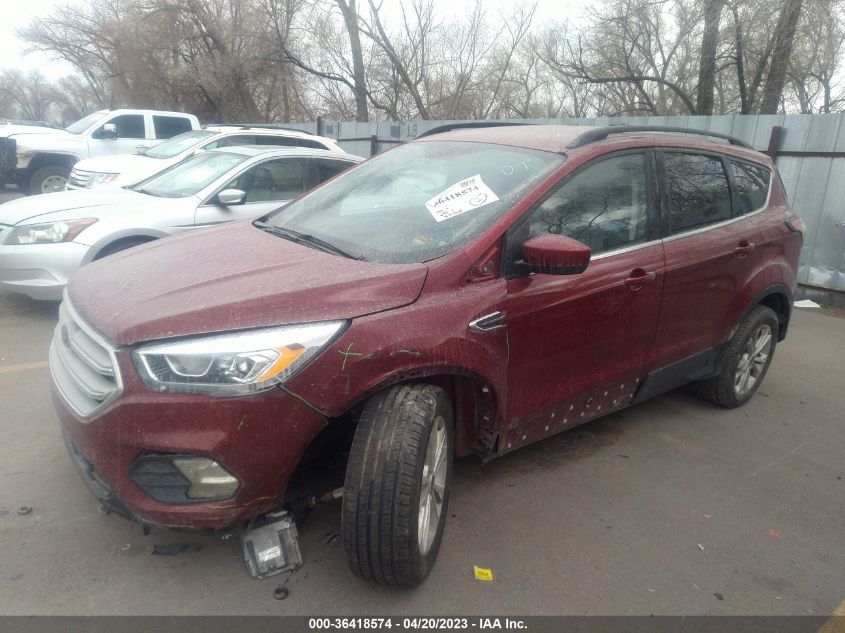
point(209, 480)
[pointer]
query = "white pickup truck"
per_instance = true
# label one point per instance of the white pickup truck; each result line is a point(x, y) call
point(39, 159)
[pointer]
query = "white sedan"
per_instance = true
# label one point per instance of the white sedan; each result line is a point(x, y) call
point(45, 239)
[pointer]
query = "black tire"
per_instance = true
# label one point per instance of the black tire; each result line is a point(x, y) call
point(122, 245)
point(722, 389)
point(48, 174)
point(384, 484)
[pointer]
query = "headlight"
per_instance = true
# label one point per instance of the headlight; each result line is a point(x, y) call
point(49, 232)
point(233, 364)
point(101, 179)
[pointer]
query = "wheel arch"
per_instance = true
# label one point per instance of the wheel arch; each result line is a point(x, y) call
point(44, 159)
point(130, 235)
point(475, 403)
point(778, 297)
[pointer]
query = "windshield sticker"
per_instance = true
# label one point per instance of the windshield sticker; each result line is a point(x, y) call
point(464, 196)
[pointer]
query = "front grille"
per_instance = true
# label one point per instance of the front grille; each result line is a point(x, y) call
point(82, 364)
point(79, 178)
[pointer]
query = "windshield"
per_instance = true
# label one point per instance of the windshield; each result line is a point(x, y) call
point(190, 176)
point(178, 144)
point(417, 202)
point(84, 123)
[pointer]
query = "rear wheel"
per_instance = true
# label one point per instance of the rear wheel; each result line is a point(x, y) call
point(745, 360)
point(397, 484)
point(49, 179)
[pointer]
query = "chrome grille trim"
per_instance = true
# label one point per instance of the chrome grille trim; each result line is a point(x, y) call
point(79, 177)
point(83, 366)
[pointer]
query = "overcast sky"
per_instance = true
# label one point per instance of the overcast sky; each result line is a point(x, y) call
point(18, 13)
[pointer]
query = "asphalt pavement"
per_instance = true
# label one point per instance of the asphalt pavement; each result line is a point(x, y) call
point(670, 507)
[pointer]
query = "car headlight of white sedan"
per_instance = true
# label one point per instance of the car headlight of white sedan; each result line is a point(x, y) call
point(48, 232)
point(234, 364)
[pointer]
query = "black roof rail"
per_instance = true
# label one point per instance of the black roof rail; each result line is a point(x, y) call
point(440, 129)
point(601, 133)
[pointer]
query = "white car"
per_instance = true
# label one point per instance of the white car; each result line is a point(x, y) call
point(125, 169)
point(45, 239)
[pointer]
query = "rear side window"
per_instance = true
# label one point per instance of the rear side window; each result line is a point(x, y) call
point(284, 141)
point(304, 142)
point(604, 206)
point(698, 190)
point(330, 168)
point(170, 126)
point(752, 186)
point(127, 125)
point(232, 141)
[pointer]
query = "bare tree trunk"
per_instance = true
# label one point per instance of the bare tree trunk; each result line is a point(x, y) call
point(350, 18)
point(740, 62)
point(782, 50)
point(707, 66)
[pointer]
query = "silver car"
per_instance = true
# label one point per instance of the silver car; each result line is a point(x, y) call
point(45, 239)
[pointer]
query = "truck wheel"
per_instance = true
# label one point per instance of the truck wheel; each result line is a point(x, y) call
point(396, 492)
point(49, 179)
point(745, 361)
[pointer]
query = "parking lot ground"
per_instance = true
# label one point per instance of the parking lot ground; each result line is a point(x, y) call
point(670, 507)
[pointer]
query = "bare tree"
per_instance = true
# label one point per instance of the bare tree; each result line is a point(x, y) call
point(781, 51)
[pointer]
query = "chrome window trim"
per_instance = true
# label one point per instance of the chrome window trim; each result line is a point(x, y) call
point(626, 249)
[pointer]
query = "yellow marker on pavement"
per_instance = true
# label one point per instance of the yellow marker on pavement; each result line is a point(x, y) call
point(482, 573)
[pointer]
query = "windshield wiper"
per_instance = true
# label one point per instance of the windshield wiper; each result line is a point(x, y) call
point(304, 238)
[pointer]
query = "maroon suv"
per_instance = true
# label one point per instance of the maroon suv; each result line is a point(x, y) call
point(470, 292)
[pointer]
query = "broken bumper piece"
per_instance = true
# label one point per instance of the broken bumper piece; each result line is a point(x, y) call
point(272, 548)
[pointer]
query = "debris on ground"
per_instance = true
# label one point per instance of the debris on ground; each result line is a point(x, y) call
point(482, 573)
point(126, 547)
point(775, 533)
point(719, 596)
point(24, 510)
point(171, 549)
point(806, 303)
point(701, 547)
point(281, 593)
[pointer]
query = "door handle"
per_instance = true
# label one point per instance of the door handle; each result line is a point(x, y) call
point(639, 278)
point(744, 248)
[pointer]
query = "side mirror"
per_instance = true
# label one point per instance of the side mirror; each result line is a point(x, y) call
point(555, 255)
point(230, 197)
point(110, 131)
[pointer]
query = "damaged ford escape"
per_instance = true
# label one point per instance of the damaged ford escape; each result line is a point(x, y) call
point(467, 293)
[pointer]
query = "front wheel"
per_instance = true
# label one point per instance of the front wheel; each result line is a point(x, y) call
point(49, 179)
point(745, 361)
point(396, 492)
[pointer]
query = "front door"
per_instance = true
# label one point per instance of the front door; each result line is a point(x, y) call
point(579, 345)
point(267, 185)
point(131, 138)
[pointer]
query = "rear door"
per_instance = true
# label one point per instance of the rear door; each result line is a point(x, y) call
point(709, 254)
point(579, 345)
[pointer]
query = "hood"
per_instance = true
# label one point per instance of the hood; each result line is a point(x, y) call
point(228, 278)
point(122, 164)
point(16, 130)
point(30, 207)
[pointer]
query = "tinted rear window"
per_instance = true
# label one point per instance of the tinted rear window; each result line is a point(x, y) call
point(170, 126)
point(698, 190)
point(752, 185)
